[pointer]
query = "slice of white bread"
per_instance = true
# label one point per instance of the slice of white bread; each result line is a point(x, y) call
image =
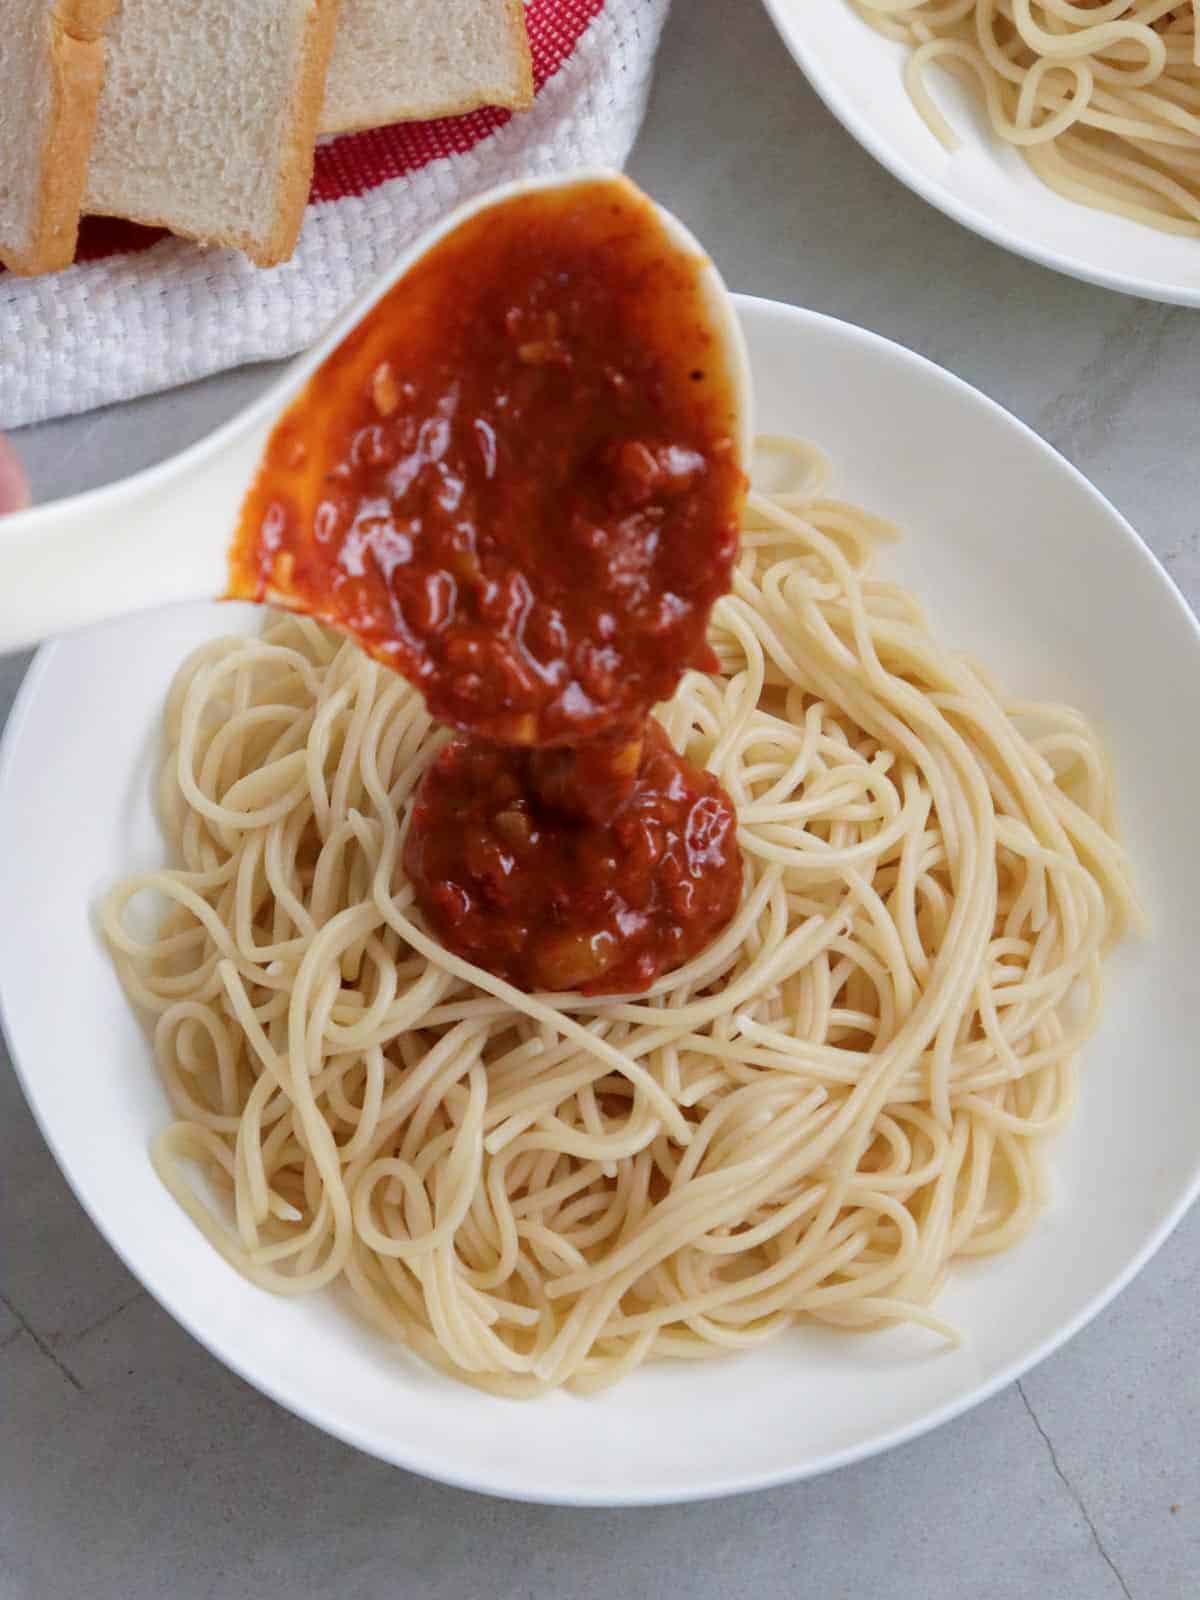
point(396, 60)
point(208, 118)
point(51, 69)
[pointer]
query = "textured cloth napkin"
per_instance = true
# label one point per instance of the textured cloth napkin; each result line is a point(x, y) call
point(141, 311)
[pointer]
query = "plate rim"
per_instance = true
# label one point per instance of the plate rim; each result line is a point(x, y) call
point(489, 1480)
point(944, 200)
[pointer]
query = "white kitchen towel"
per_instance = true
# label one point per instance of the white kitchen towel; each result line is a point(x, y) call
point(137, 321)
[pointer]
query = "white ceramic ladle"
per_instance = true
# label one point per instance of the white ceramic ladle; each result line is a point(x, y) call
point(163, 535)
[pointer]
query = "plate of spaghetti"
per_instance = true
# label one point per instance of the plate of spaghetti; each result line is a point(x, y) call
point(1068, 133)
point(839, 1069)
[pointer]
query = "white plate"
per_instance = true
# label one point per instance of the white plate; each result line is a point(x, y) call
point(1019, 560)
point(984, 184)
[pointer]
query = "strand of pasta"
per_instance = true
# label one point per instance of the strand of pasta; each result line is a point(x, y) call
point(1102, 101)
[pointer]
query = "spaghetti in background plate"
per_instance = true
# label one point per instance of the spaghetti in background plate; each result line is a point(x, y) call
point(1016, 562)
point(1069, 134)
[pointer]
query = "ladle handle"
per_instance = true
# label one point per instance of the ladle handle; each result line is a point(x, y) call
point(157, 537)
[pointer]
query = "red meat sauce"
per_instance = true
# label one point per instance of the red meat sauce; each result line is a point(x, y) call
point(516, 482)
point(548, 901)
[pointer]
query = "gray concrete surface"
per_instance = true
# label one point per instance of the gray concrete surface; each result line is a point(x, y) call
point(136, 1468)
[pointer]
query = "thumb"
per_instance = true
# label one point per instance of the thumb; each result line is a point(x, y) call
point(14, 489)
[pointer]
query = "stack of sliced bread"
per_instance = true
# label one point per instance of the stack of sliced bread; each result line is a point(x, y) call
point(206, 124)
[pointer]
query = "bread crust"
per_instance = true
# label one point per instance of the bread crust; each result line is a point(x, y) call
point(519, 99)
point(520, 36)
point(307, 99)
point(76, 58)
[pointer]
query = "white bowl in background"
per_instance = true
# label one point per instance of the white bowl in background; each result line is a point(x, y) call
point(1019, 560)
point(984, 184)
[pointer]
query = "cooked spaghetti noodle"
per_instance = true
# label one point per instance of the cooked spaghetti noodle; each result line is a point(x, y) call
point(850, 1088)
point(1102, 99)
